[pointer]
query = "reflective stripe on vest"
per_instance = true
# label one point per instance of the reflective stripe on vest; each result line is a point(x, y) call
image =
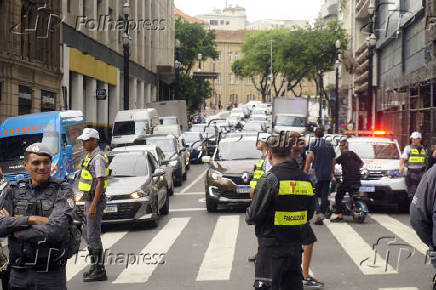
point(295, 187)
point(416, 157)
point(258, 172)
point(86, 179)
point(296, 218)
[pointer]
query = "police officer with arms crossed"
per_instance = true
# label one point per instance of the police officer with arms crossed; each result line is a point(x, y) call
point(36, 215)
point(283, 203)
point(414, 156)
point(93, 182)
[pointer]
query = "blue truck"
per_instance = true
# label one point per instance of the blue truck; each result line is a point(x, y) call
point(57, 129)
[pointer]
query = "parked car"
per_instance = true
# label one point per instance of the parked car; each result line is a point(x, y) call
point(137, 190)
point(175, 155)
point(158, 155)
point(168, 130)
point(228, 178)
point(254, 127)
point(195, 143)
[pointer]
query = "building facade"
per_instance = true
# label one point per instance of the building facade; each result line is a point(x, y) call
point(30, 73)
point(92, 56)
point(268, 24)
point(229, 18)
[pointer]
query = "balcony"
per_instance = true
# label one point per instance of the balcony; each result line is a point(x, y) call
point(362, 9)
point(361, 78)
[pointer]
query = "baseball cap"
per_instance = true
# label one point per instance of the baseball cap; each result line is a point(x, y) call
point(89, 133)
point(39, 149)
point(416, 135)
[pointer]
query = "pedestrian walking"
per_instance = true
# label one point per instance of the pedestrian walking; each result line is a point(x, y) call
point(93, 182)
point(321, 155)
point(414, 159)
point(36, 214)
point(281, 206)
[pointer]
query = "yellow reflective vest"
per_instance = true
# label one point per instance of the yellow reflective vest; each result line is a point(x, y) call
point(87, 182)
point(416, 158)
point(258, 172)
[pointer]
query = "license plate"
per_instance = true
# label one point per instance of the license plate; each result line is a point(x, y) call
point(367, 188)
point(111, 209)
point(243, 189)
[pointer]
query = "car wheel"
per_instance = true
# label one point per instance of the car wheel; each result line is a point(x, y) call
point(178, 178)
point(184, 176)
point(171, 191)
point(211, 205)
point(154, 222)
point(166, 207)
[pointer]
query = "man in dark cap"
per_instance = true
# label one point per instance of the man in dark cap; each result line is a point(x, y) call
point(36, 215)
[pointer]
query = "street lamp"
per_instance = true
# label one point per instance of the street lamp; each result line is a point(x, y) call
point(126, 52)
point(371, 8)
point(199, 57)
point(371, 42)
point(337, 64)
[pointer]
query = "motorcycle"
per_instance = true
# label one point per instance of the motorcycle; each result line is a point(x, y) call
point(355, 203)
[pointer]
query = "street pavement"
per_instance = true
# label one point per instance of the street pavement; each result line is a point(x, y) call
point(194, 249)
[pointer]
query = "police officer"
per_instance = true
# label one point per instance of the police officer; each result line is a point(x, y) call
point(283, 203)
point(413, 157)
point(93, 182)
point(36, 215)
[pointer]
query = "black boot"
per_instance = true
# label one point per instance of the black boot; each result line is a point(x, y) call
point(93, 263)
point(99, 274)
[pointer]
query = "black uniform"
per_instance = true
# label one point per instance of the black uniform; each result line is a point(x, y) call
point(38, 256)
point(283, 203)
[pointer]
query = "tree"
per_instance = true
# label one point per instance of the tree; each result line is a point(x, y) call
point(194, 39)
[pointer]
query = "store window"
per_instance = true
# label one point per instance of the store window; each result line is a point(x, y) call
point(48, 101)
point(24, 100)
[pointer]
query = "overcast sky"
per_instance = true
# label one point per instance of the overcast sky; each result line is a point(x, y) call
point(257, 9)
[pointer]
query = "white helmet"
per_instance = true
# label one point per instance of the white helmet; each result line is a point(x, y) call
point(416, 135)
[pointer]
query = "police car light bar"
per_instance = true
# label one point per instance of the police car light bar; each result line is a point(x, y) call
point(368, 132)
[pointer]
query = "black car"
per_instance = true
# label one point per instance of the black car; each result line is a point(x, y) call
point(228, 178)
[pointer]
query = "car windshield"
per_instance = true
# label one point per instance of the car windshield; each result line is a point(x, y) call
point(168, 121)
point(129, 165)
point(130, 128)
point(375, 150)
point(291, 121)
point(12, 148)
point(237, 149)
point(166, 145)
point(191, 138)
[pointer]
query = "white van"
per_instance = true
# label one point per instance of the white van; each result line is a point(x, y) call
point(129, 125)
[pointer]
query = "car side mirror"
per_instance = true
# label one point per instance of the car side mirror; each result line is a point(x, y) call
point(69, 150)
point(205, 159)
point(158, 172)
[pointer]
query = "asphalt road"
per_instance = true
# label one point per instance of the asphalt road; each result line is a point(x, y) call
point(193, 249)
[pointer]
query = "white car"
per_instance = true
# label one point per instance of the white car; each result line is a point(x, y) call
point(380, 175)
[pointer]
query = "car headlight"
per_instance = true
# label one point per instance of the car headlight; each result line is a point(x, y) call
point(394, 173)
point(173, 163)
point(137, 194)
point(215, 174)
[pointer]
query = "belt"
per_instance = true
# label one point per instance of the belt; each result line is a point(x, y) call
point(41, 267)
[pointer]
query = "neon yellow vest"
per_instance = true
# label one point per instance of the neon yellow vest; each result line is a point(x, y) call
point(258, 172)
point(86, 180)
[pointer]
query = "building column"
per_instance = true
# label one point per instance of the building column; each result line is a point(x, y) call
point(36, 100)
point(154, 93)
point(91, 100)
point(147, 92)
point(141, 97)
point(65, 77)
point(114, 96)
point(76, 93)
point(133, 94)
point(102, 106)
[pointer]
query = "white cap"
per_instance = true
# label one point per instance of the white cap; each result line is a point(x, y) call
point(263, 137)
point(416, 135)
point(89, 133)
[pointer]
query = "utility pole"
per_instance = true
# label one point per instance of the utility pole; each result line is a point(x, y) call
point(271, 71)
point(126, 52)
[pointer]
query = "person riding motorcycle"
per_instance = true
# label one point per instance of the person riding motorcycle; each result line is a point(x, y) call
point(350, 163)
point(413, 157)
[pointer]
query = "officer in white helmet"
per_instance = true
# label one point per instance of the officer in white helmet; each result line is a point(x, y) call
point(414, 158)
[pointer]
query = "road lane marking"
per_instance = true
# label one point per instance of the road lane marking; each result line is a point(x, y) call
point(78, 262)
point(140, 272)
point(192, 183)
point(188, 209)
point(218, 259)
point(190, 193)
point(358, 250)
point(401, 230)
point(400, 288)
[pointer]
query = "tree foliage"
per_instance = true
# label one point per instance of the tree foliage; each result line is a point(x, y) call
point(194, 39)
point(297, 55)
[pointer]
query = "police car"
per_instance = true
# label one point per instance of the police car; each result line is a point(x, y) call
point(380, 175)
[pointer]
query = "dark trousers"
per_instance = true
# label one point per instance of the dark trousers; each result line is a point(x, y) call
point(413, 178)
point(278, 268)
point(29, 279)
point(92, 228)
point(340, 193)
point(322, 191)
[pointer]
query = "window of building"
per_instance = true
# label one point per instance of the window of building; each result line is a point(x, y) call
point(230, 56)
point(218, 78)
point(236, 79)
point(236, 55)
point(213, 22)
point(24, 100)
point(222, 22)
point(249, 81)
point(69, 6)
point(231, 78)
point(48, 101)
point(227, 22)
point(219, 55)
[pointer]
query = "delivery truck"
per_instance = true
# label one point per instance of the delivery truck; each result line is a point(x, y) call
point(176, 108)
point(289, 114)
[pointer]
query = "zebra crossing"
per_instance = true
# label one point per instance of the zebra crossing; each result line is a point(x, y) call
point(220, 256)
